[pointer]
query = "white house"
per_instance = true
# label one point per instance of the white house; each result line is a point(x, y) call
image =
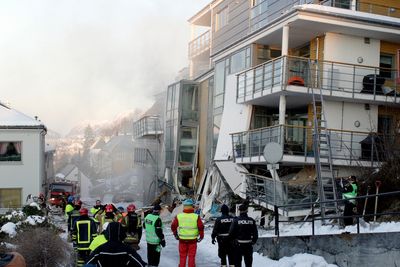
point(22, 154)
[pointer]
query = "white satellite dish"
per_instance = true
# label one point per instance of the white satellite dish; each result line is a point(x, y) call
point(273, 153)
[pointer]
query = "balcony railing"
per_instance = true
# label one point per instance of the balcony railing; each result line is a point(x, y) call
point(364, 6)
point(147, 126)
point(200, 44)
point(349, 147)
point(333, 78)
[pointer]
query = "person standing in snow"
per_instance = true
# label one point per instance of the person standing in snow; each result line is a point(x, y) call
point(350, 192)
point(188, 229)
point(84, 230)
point(115, 253)
point(108, 215)
point(221, 232)
point(133, 225)
point(154, 236)
point(72, 216)
point(244, 233)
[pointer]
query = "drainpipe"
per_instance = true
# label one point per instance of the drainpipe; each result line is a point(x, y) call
point(282, 98)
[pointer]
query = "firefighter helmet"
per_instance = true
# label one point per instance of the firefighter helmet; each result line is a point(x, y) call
point(83, 211)
point(131, 208)
point(109, 208)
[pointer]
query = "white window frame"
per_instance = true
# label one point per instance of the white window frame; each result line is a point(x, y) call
point(221, 21)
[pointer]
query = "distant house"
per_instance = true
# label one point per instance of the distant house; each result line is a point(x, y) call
point(22, 157)
point(117, 155)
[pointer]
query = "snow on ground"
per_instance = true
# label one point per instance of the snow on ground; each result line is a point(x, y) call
point(207, 254)
point(300, 229)
point(9, 228)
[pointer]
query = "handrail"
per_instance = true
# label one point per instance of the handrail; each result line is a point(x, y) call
point(316, 203)
point(303, 127)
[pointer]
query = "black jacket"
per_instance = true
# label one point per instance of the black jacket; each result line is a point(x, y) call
point(84, 230)
point(244, 229)
point(114, 252)
point(222, 226)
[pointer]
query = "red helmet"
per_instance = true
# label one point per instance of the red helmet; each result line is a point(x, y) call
point(131, 208)
point(83, 211)
point(109, 208)
point(78, 203)
point(41, 195)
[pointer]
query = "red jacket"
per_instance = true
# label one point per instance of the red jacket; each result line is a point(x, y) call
point(200, 225)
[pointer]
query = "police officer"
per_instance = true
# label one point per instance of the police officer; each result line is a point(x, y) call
point(84, 230)
point(133, 225)
point(350, 192)
point(154, 236)
point(221, 232)
point(244, 233)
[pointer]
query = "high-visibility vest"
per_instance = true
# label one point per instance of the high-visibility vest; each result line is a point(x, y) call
point(97, 242)
point(351, 194)
point(187, 226)
point(151, 236)
point(68, 209)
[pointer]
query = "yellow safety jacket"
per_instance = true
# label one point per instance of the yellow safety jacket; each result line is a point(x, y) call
point(187, 226)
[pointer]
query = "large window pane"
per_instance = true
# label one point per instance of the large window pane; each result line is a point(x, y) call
point(10, 151)
point(10, 198)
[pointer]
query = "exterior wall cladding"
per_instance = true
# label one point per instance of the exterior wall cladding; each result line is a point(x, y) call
point(239, 15)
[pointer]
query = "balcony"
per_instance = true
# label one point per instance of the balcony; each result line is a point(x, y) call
point(200, 45)
point(268, 192)
point(337, 81)
point(348, 148)
point(147, 127)
point(385, 10)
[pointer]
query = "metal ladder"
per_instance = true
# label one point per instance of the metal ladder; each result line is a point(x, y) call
point(322, 152)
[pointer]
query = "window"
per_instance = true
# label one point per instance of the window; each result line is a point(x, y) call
point(10, 151)
point(10, 197)
point(221, 19)
point(387, 65)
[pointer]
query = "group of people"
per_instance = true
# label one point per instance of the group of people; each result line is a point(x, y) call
point(111, 236)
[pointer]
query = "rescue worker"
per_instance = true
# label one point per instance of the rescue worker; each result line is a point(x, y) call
point(221, 232)
point(154, 236)
point(244, 234)
point(120, 214)
point(133, 225)
point(69, 207)
point(108, 215)
point(100, 239)
point(114, 252)
point(72, 216)
point(96, 208)
point(188, 228)
point(84, 231)
point(350, 191)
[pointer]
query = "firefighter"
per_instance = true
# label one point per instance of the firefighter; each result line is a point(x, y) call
point(72, 216)
point(221, 232)
point(133, 225)
point(244, 233)
point(108, 215)
point(349, 194)
point(84, 231)
point(69, 207)
point(114, 252)
point(188, 229)
point(96, 208)
point(100, 239)
point(154, 236)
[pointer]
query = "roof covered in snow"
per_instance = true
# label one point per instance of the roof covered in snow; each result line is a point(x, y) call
point(11, 118)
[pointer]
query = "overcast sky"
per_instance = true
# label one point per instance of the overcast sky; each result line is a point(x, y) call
point(67, 61)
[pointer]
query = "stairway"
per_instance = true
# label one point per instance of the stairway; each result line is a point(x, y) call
point(322, 153)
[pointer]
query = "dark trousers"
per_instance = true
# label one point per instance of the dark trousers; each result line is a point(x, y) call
point(244, 251)
point(82, 257)
point(225, 249)
point(348, 211)
point(153, 256)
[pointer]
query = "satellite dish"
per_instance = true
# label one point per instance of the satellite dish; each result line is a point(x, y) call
point(273, 153)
